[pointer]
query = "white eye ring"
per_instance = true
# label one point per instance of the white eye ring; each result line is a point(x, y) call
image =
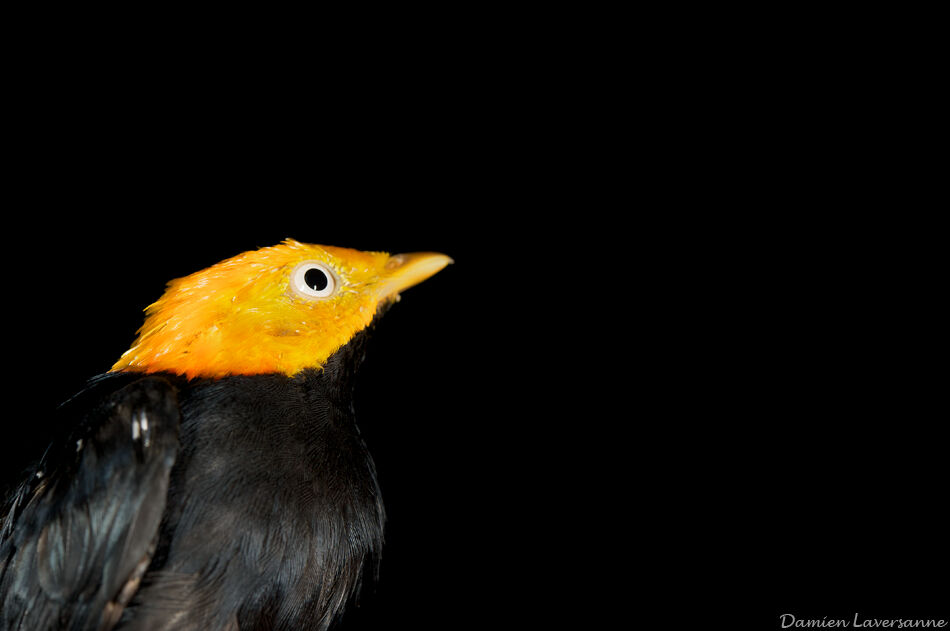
point(313, 280)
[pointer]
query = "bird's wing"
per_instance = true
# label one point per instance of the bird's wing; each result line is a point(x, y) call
point(79, 534)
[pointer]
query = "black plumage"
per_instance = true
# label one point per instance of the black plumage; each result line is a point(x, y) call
point(273, 516)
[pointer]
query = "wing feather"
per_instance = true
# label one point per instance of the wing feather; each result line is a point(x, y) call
point(80, 531)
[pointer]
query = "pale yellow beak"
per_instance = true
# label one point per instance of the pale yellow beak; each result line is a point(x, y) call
point(405, 270)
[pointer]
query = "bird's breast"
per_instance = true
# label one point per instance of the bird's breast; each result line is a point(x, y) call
point(273, 498)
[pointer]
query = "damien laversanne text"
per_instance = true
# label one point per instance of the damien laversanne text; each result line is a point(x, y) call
point(790, 621)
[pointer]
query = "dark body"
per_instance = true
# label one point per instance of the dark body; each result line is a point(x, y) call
point(248, 502)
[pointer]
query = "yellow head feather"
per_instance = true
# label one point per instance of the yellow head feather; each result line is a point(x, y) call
point(254, 313)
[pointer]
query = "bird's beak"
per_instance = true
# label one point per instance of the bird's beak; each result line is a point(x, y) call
point(405, 270)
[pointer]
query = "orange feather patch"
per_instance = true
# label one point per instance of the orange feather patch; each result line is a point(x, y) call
point(247, 314)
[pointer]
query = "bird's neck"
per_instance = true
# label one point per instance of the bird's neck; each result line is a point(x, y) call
point(336, 380)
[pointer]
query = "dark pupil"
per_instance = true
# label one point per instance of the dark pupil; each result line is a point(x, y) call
point(316, 279)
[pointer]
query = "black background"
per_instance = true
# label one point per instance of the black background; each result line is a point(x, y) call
point(685, 360)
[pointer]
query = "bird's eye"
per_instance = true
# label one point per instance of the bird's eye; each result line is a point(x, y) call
point(312, 280)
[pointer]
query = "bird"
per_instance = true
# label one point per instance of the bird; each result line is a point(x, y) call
point(214, 477)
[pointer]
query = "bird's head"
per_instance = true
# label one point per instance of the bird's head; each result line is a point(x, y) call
point(278, 309)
